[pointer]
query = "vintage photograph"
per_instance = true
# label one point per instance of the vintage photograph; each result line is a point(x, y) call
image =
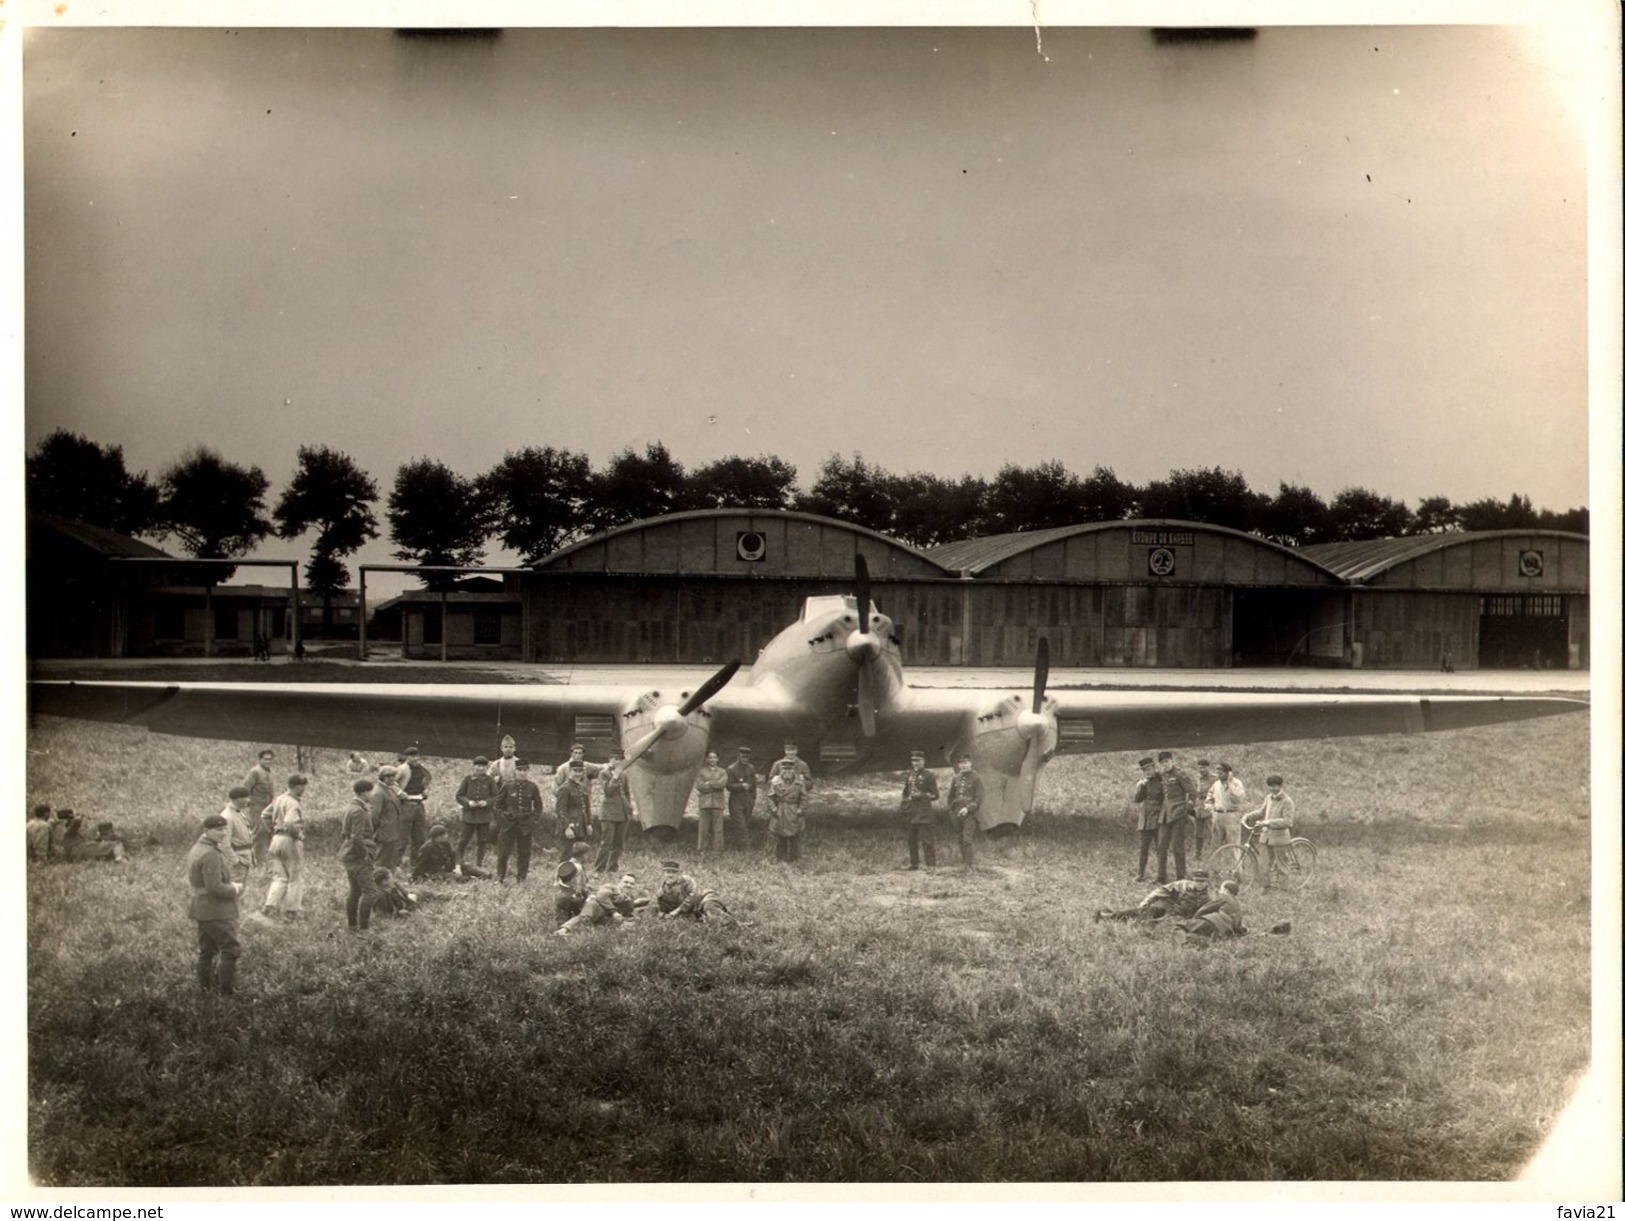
point(891, 605)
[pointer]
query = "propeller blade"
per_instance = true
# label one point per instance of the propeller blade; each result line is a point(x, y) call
point(1040, 673)
point(866, 701)
point(710, 687)
point(637, 752)
point(862, 566)
point(1031, 762)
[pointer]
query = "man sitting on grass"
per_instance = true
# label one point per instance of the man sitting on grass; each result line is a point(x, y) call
point(102, 845)
point(438, 859)
point(570, 884)
point(681, 896)
point(1179, 899)
point(612, 903)
point(391, 898)
point(1219, 917)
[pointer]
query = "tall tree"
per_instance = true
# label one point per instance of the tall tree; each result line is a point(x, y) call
point(1022, 498)
point(215, 507)
point(1105, 497)
point(1435, 515)
point(72, 476)
point(438, 518)
point(540, 499)
point(852, 490)
point(928, 509)
point(332, 495)
point(1217, 497)
point(1491, 514)
point(743, 483)
point(1359, 513)
point(635, 486)
point(1576, 521)
point(1296, 517)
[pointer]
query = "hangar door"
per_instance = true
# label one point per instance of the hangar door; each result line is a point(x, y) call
point(1523, 632)
point(1273, 627)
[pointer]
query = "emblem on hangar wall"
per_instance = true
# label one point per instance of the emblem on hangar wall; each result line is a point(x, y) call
point(1160, 561)
point(750, 546)
point(1531, 563)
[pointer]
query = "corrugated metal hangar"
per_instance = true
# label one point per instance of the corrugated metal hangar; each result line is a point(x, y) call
point(705, 586)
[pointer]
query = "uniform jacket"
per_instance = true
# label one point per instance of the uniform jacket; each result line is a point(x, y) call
point(1148, 795)
point(1223, 913)
point(435, 859)
point(965, 794)
point(357, 845)
point(712, 786)
point(787, 793)
point(616, 803)
point(572, 793)
point(261, 789)
point(742, 779)
point(1179, 795)
point(241, 835)
point(475, 795)
point(519, 804)
point(919, 796)
point(570, 880)
point(385, 805)
point(208, 873)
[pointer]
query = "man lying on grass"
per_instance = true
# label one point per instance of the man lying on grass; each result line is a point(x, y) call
point(612, 903)
point(1180, 899)
point(680, 895)
point(1220, 916)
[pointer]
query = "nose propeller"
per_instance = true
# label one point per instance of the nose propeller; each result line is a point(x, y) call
point(865, 648)
point(671, 720)
point(1037, 728)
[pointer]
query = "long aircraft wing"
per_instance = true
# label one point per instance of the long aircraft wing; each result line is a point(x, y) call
point(456, 720)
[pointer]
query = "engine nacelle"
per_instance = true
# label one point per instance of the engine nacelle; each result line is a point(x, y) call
point(662, 777)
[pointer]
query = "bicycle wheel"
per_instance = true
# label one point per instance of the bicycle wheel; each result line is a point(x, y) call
point(1294, 864)
point(1232, 861)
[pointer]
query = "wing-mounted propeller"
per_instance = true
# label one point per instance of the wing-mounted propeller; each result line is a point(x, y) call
point(867, 648)
point(665, 745)
point(1011, 740)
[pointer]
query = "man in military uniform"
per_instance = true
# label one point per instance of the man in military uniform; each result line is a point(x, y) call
point(1220, 916)
point(414, 799)
point(502, 767)
point(611, 903)
point(388, 821)
point(213, 904)
point(261, 792)
point(1148, 796)
point(680, 895)
point(1179, 900)
point(475, 796)
point(1202, 809)
point(711, 796)
point(572, 799)
point(742, 784)
point(518, 809)
point(965, 794)
point(358, 849)
point(919, 802)
point(614, 813)
point(1179, 798)
point(570, 887)
point(788, 783)
point(241, 833)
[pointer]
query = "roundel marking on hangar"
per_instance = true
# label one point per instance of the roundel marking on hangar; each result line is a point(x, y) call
point(750, 546)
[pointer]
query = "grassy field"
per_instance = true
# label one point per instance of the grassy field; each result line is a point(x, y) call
point(1423, 1020)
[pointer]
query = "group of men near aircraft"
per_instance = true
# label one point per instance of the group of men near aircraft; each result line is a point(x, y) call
point(385, 832)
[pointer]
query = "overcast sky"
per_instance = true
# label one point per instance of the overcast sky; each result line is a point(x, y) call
point(1335, 256)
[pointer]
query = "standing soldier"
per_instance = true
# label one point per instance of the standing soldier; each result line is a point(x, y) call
point(742, 799)
point(287, 892)
point(614, 813)
point(357, 851)
point(214, 906)
point(572, 799)
point(1202, 808)
point(475, 796)
point(1148, 796)
point(712, 786)
point(261, 792)
point(919, 803)
point(788, 784)
point(965, 794)
point(240, 834)
point(1179, 797)
point(519, 806)
point(414, 799)
point(388, 822)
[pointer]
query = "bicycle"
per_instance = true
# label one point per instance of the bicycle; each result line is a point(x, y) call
point(1293, 865)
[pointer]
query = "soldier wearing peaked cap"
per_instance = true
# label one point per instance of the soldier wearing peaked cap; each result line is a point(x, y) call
point(919, 803)
point(742, 785)
point(213, 905)
point(614, 812)
point(965, 795)
point(476, 794)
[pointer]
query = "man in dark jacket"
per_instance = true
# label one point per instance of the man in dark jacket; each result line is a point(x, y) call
point(965, 794)
point(1179, 799)
point(519, 806)
point(261, 788)
point(614, 813)
point(742, 784)
point(388, 821)
point(213, 905)
point(919, 803)
point(1148, 796)
point(415, 780)
point(476, 795)
point(357, 851)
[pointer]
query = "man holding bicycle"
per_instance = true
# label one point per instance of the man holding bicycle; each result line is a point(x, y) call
point(1274, 818)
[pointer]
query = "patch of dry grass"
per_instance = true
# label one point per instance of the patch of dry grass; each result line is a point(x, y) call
point(1422, 1021)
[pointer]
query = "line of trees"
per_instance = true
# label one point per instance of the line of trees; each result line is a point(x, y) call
point(536, 500)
